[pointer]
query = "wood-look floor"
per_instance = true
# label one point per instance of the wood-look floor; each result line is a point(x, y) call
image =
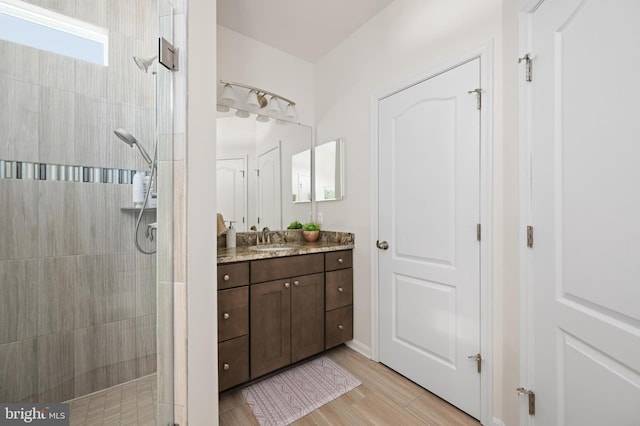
point(384, 398)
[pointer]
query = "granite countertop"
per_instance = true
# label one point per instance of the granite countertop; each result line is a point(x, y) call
point(328, 241)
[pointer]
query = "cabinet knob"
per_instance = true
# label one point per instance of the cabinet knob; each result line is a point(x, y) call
point(225, 366)
point(226, 277)
point(286, 285)
point(340, 260)
point(296, 283)
point(226, 316)
point(340, 290)
point(340, 327)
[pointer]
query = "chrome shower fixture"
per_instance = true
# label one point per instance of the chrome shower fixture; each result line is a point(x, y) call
point(144, 63)
point(256, 100)
point(130, 140)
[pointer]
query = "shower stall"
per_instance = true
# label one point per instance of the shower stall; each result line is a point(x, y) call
point(79, 303)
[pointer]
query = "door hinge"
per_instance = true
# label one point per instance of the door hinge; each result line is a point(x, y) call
point(527, 66)
point(242, 171)
point(257, 172)
point(478, 92)
point(529, 236)
point(478, 359)
point(532, 399)
point(168, 54)
point(478, 232)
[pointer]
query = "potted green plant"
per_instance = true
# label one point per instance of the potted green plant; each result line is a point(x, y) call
point(295, 225)
point(311, 231)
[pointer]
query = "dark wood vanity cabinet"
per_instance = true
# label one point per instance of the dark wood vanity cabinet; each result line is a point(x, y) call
point(287, 322)
point(274, 312)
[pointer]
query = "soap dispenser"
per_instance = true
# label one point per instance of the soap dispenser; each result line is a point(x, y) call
point(231, 235)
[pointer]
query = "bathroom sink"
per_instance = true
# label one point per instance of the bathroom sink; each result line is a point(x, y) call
point(274, 247)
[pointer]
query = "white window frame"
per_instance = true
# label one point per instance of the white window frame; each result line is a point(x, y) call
point(56, 21)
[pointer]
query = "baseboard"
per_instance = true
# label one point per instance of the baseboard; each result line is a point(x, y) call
point(360, 348)
point(497, 422)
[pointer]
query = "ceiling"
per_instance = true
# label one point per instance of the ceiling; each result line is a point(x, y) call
point(307, 29)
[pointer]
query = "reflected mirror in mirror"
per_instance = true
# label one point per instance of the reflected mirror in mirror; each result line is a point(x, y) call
point(254, 170)
point(328, 170)
point(301, 177)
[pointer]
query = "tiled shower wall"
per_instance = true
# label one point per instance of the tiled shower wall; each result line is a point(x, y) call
point(77, 302)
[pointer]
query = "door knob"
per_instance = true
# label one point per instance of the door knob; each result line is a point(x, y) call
point(286, 285)
point(382, 245)
point(296, 283)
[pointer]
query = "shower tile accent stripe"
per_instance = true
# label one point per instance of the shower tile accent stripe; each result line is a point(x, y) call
point(64, 173)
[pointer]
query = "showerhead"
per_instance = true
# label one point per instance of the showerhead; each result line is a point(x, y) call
point(130, 140)
point(125, 137)
point(144, 63)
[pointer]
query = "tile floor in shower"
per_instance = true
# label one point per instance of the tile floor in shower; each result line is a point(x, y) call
point(132, 403)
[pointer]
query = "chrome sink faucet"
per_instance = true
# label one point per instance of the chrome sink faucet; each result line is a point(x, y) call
point(266, 237)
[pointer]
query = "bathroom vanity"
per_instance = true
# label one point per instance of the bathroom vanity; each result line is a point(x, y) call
point(277, 307)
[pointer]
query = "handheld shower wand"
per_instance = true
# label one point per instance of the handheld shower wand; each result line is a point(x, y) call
point(130, 140)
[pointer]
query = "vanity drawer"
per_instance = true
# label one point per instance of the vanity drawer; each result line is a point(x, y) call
point(338, 260)
point(233, 275)
point(286, 267)
point(233, 313)
point(338, 288)
point(233, 362)
point(338, 326)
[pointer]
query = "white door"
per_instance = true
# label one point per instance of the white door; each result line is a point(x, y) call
point(429, 208)
point(231, 190)
point(269, 190)
point(585, 212)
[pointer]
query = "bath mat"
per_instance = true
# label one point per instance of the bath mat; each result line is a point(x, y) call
point(294, 393)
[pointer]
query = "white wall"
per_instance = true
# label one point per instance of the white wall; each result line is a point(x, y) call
point(245, 60)
point(407, 39)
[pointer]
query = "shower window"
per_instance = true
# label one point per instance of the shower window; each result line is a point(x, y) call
point(33, 26)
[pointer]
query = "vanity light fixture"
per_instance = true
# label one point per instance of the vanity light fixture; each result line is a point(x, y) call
point(265, 103)
point(227, 95)
point(262, 118)
point(252, 100)
point(274, 107)
point(242, 113)
point(291, 113)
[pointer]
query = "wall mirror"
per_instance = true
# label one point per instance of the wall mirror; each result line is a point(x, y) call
point(258, 165)
point(328, 169)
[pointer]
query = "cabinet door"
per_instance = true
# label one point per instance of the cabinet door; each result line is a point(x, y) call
point(270, 326)
point(307, 316)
